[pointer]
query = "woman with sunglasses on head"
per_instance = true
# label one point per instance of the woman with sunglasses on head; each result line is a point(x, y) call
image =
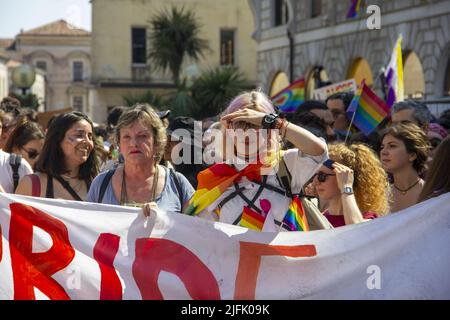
point(68, 162)
point(353, 183)
point(246, 187)
point(26, 140)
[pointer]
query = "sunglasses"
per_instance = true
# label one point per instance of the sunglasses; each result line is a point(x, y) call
point(322, 177)
point(32, 154)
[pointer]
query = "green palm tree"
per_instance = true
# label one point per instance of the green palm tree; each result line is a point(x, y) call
point(175, 36)
point(215, 88)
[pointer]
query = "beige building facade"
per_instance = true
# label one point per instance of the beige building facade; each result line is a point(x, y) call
point(120, 31)
point(61, 54)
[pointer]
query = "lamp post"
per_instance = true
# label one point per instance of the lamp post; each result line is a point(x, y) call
point(23, 77)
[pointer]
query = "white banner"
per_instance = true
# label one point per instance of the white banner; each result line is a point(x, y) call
point(344, 86)
point(54, 249)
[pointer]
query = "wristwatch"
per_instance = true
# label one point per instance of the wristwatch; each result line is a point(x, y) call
point(269, 121)
point(347, 190)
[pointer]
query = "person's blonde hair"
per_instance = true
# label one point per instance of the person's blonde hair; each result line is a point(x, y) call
point(147, 116)
point(370, 185)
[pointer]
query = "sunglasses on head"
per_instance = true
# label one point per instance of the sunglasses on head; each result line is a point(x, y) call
point(32, 154)
point(322, 176)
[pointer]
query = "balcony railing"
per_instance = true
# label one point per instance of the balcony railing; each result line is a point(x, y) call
point(140, 73)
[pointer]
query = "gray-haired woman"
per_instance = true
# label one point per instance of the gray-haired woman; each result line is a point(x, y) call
point(140, 180)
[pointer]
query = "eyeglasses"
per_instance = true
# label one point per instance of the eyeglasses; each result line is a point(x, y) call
point(322, 177)
point(32, 154)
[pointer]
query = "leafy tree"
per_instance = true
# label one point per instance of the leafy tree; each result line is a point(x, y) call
point(148, 97)
point(175, 36)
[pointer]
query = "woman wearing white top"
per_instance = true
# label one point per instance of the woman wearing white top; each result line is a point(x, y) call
point(247, 143)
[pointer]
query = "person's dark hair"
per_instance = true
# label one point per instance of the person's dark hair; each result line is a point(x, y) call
point(23, 133)
point(10, 105)
point(421, 112)
point(415, 141)
point(114, 115)
point(51, 159)
point(310, 122)
point(372, 140)
point(438, 175)
point(29, 114)
point(345, 97)
point(444, 119)
point(100, 131)
point(311, 105)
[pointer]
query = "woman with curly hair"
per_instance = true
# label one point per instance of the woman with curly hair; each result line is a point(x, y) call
point(404, 153)
point(353, 183)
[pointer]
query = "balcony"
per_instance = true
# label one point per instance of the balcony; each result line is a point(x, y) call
point(140, 73)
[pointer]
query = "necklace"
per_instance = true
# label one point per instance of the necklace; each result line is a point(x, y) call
point(123, 193)
point(404, 191)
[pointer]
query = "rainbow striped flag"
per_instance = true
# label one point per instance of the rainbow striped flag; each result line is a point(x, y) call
point(355, 7)
point(212, 182)
point(367, 110)
point(295, 217)
point(290, 98)
point(252, 220)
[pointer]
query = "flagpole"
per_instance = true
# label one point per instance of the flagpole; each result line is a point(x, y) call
point(350, 126)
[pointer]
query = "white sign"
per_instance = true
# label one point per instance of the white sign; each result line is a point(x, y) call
point(55, 249)
point(344, 86)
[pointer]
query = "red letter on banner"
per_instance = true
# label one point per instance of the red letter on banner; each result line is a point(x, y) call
point(105, 251)
point(250, 259)
point(35, 269)
point(156, 255)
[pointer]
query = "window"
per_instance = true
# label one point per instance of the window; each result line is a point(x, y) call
point(227, 47)
point(281, 12)
point(139, 45)
point(316, 8)
point(41, 65)
point(77, 103)
point(77, 71)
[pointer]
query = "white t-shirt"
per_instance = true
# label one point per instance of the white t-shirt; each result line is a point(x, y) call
point(301, 167)
point(6, 172)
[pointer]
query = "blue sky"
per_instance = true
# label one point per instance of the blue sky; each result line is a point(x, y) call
point(29, 14)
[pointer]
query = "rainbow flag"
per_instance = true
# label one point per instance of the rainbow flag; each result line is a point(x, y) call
point(394, 75)
point(290, 98)
point(252, 220)
point(212, 182)
point(367, 110)
point(295, 217)
point(355, 7)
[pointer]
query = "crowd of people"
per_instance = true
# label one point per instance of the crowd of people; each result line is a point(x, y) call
point(250, 166)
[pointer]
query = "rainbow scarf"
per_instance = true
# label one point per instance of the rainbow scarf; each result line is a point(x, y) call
point(213, 181)
point(295, 218)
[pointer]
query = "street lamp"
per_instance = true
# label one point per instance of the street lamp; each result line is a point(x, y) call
point(23, 77)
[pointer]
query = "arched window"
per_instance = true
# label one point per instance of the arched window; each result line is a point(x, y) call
point(317, 78)
point(413, 76)
point(280, 81)
point(359, 70)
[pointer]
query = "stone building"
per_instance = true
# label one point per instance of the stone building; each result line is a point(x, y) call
point(297, 38)
point(61, 52)
point(120, 46)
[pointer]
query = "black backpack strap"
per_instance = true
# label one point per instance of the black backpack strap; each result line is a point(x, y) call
point(14, 162)
point(178, 186)
point(284, 177)
point(68, 188)
point(104, 184)
point(49, 193)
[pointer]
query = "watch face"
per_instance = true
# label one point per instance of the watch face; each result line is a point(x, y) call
point(348, 190)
